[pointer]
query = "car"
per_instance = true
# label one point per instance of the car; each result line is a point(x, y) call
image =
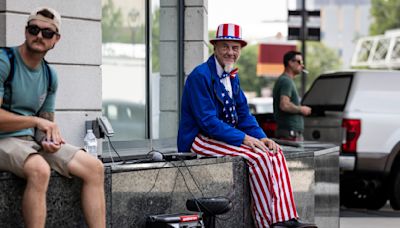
point(127, 119)
point(263, 110)
point(359, 110)
point(260, 105)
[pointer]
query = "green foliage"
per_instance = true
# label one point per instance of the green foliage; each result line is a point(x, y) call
point(386, 14)
point(155, 41)
point(319, 59)
point(113, 28)
point(112, 19)
point(247, 65)
point(247, 70)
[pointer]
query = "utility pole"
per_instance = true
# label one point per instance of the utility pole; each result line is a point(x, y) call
point(303, 44)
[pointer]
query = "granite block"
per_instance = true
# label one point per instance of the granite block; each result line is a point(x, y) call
point(63, 201)
point(327, 202)
point(138, 194)
point(135, 191)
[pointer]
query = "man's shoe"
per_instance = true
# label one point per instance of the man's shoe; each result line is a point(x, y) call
point(293, 223)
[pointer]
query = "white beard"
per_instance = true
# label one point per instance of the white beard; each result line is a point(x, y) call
point(228, 68)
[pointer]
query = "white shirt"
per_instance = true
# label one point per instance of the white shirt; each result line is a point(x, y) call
point(225, 81)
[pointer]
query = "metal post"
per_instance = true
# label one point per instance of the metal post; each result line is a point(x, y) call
point(181, 51)
point(303, 43)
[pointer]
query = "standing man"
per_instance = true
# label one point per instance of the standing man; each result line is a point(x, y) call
point(288, 112)
point(27, 105)
point(215, 121)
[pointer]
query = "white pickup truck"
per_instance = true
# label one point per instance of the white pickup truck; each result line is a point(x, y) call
point(360, 110)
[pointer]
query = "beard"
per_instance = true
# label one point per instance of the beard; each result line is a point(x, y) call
point(228, 67)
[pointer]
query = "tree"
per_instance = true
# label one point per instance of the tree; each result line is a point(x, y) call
point(386, 14)
point(247, 70)
point(319, 59)
point(114, 29)
point(111, 20)
point(155, 41)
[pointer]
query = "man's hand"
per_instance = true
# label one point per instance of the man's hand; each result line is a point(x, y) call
point(272, 145)
point(305, 110)
point(50, 146)
point(254, 143)
point(53, 134)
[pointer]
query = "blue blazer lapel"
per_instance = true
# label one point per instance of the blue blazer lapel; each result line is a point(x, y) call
point(215, 83)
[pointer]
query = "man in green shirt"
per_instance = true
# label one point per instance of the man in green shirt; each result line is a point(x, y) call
point(288, 111)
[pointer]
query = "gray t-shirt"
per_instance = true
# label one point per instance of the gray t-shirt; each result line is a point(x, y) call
point(29, 89)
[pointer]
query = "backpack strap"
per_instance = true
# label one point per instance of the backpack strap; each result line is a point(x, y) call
point(8, 81)
point(48, 75)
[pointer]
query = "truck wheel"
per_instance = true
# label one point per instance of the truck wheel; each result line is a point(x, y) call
point(364, 194)
point(395, 190)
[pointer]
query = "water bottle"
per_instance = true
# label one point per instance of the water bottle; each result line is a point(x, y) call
point(90, 143)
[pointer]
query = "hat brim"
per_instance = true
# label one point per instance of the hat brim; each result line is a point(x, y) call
point(242, 42)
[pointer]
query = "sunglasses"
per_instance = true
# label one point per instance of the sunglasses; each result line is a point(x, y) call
point(298, 61)
point(46, 32)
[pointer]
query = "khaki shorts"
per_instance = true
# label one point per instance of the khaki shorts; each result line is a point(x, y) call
point(15, 150)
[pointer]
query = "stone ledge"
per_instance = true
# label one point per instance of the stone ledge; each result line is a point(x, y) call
point(136, 191)
point(63, 201)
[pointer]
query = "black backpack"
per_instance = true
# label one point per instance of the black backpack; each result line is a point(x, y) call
point(8, 82)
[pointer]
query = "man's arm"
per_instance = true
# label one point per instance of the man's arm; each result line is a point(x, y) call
point(13, 122)
point(287, 106)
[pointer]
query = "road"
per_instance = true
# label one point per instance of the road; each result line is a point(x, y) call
point(361, 218)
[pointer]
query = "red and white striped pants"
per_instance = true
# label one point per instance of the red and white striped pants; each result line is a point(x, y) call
point(270, 185)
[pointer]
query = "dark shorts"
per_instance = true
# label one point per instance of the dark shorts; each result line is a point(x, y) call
point(15, 150)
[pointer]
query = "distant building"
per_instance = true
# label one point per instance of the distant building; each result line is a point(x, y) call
point(343, 22)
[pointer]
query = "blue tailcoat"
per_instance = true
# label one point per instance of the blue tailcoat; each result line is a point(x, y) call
point(201, 110)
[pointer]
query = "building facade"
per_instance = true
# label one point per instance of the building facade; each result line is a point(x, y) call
point(342, 24)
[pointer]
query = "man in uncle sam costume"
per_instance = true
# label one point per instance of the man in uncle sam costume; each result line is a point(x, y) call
point(215, 121)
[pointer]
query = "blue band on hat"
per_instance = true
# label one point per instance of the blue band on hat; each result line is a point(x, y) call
point(228, 37)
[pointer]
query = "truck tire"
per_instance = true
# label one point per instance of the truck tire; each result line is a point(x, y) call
point(395, 189)
point(364, 194)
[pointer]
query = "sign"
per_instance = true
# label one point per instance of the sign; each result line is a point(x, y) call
point(270, 58)
point(313, 23)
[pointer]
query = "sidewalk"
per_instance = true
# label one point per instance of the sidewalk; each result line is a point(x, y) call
point(359, 218)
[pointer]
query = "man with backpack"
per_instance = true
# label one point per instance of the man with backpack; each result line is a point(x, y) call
point(31, 143)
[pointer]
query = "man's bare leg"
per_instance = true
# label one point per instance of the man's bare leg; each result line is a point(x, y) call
point(91, 171)
point(37, 173)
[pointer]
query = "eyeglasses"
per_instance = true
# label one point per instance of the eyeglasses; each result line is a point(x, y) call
point(298, 61)
point(46, 32)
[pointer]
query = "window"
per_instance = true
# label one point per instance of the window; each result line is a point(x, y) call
point(130, 74)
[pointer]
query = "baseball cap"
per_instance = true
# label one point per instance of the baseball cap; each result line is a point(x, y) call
point(56, 20)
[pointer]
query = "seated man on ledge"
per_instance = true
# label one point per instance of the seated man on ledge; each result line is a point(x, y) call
point(27, 103)
point(215, 121)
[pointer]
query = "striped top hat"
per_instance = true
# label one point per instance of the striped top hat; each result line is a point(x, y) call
point(229, 32)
